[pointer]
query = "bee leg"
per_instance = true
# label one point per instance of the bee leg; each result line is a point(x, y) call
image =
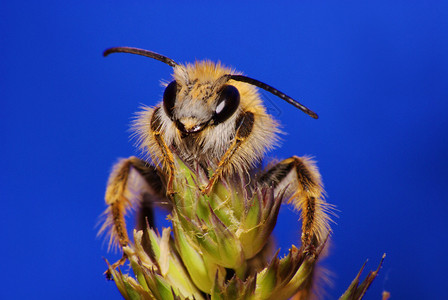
point(300, 180)
point(245, 124)
point(119, 200)
point(168, 160)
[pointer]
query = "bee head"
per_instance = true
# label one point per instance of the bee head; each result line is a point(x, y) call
point(194, 100)
point(200, 95)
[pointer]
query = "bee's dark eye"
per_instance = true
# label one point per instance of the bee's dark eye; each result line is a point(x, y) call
point(169, 98)
point(228, 102)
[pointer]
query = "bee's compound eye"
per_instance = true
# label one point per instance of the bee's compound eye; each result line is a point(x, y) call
point(169, 98)
point(228, 102)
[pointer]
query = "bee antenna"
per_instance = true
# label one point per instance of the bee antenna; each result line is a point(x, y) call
point(273, 91)
point(141, 52)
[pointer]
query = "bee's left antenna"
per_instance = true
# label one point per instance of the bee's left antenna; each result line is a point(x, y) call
point(141, 52)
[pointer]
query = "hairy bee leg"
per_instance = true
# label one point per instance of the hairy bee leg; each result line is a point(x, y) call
point(300, 179)
point(168, 159)
point(118, 202)
point(245, 125)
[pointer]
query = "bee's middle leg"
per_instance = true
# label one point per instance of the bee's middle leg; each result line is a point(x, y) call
point(119, 202)
point(299, 178)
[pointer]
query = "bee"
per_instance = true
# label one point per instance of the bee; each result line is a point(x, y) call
point(212, 116)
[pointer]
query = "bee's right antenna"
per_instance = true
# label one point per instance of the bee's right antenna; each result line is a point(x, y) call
point(274, 91)
point(141, 52)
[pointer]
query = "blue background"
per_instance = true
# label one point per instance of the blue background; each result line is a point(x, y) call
point(376, 72)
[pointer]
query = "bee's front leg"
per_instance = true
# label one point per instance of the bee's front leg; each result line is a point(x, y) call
point(299, 178)
point(245, 124)
point(120, 199)
point(166, 155)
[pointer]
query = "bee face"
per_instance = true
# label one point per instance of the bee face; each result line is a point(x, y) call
point(191, 116)
point(193, 103)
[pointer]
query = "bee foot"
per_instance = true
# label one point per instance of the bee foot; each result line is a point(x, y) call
point(206, 190)
point(117, 264)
